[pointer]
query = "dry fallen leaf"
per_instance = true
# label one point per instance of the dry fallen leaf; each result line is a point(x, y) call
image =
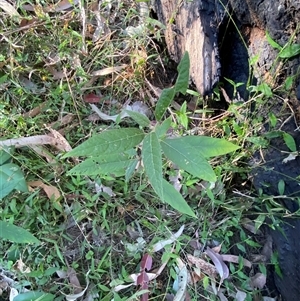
point(91, 98)
point(240, 296)
point(9, 9)
point(219, 263)
point(203, 265)
point(162, 243)
point(258, 281)
point(109, 70)
point(50, 191)
point(236, 259)
point(21, 267)
point(65, 4)
point(60, 140)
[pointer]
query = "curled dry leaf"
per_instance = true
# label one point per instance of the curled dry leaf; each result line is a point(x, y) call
point(9, 9)
point(65, 4)
point(236, 259)
point(91, 98)
point(109, 70)
point(240, 296)
point(146, 262)
point(60, 140)
point(182, 285)
point(21, 267)
point(219, 263)
point(258, 281)
point(13, 293)
point(203, 265)
point(35, 111)
point(50, 191)
point(162, 243)
point(73, 279)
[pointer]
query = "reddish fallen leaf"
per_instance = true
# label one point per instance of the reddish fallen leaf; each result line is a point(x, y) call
point(27, 22)
point(146, 263)
point(91, 98)
point(143, 280)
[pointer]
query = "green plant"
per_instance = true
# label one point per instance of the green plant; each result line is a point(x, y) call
point(11, 176)
point(113, 151)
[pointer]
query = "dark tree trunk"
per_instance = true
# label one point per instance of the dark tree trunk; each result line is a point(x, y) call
point(201, 28)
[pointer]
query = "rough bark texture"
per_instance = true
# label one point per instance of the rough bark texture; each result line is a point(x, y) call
point(193, 26)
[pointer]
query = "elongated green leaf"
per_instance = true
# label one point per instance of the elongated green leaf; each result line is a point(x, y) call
point(290, 142)
point(152, 160)
point(289, 51)
point(166, 97)
point(272, 42)
point(162, 129)
point(130, 169)
point(34, 296)
point(4, 155)
point(139, 118)
point(172, 197)
point(207, 146)
point(188, 158)
point(114, 164)
point(183, 68)
point(108, 142)
point(11, 177)
point(16, 234)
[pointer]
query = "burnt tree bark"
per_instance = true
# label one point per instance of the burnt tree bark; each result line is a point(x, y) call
point(195, 26)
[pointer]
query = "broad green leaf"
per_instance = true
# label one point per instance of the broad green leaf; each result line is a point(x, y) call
point(207, 146)
point(273, 119)
point(183, 68)
point(290, 142)
point(34, 296)
point(130, 169)
point(289, 51)
point(162, 129)
point(16, 234)
point(272, 42)
point(4, 155)
point(117, 163)
point(108, 142)
point(172, 197)
point(11, 177)
point(265, 89)
point(188, 158)
point(164, 101)
point(288, 83)
point(152, 160)
point(139, 118)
